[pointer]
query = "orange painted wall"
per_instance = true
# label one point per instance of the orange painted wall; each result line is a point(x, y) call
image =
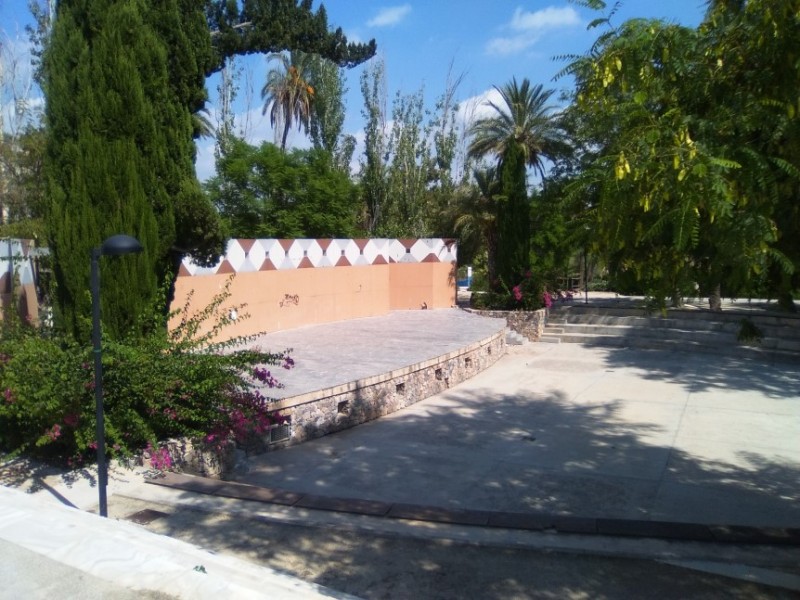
point(285, 299)
point(415, 284)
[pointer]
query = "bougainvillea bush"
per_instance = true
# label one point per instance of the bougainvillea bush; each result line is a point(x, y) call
point(526, 294)
point(160, 385)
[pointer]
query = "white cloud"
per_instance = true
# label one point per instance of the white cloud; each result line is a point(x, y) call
point(477, 107)
point(547, 18)
point(389, 16)
point(204, 165)
point(529, 28)
point(353, 37)
point(510, 45)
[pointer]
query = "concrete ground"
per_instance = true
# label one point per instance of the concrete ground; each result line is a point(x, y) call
point(574, 430)
point(558, 430)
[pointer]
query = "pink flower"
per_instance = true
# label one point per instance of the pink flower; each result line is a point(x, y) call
point(547, 299)
point(54, 432)
point(71, 420)
point(517, 293)
point(9, 396)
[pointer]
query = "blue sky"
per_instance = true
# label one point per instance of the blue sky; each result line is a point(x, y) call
point(421, 42)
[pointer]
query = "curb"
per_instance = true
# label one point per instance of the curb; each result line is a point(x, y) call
point(671, 530)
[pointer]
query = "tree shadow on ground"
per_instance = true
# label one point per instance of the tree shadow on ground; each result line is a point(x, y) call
point(539, 451)
point(372, 565)
point(698, 372)
point(34, 476)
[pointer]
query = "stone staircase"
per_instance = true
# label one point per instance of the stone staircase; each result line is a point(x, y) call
point(515, 339)
point(680, 330)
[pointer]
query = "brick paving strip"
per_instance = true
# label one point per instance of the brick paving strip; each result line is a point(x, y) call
point(485, 518)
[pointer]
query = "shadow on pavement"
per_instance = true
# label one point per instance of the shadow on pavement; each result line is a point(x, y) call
point(545, 451)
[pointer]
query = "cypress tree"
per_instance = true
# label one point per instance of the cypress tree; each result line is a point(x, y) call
point(123, 78)
point(103, 129)
point(513, 217)
point(125, 82)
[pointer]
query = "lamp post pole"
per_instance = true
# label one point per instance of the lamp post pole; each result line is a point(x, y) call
point(116, 245)
point(102, 470)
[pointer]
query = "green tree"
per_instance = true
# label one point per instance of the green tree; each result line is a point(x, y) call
point(125, 88)
point(522, 131)
point(266, 26)
point(327, 119)
point(513, 217)
point(267, 193)
point(754, 116)
point(107, 154)
point(689, 164)
point(22, 185)
point(405, 210)
point(523, 117)
point(448, 169)
point(474, 218)
point(287, 94)
point(373, 174)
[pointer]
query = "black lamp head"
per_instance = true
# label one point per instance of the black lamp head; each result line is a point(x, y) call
point(120, 244)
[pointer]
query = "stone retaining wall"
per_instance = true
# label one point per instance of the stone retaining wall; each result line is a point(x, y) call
point(527, 323)
point(322, 412)
point(195, 458)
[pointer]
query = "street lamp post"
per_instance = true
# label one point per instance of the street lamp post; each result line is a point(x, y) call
point(116, 245)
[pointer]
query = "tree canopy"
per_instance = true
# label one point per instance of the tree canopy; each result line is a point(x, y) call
point(690, 139)
point(266, 26)
point(263, 192)
point(125, 88)
point(523, 130)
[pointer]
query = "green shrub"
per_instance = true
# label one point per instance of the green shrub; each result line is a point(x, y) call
point(598, 285)
point(160, 385)
point(749, 333)
point(528, 294)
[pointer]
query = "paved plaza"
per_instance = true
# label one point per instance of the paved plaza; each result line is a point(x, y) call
point(573, 430)
point(567, 430)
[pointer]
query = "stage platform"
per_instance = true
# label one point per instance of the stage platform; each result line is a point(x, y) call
point(350, 372)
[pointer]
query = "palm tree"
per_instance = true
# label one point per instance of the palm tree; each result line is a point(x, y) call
point(523, 131)
point(523, 117)
point(287, 94)
point(477, 214)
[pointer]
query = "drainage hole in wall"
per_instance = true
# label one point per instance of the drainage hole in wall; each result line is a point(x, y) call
point(343, 407)
point(439, 374)
point(468, 362)
point(280, 432)
point(488, 349)
point(400, 388)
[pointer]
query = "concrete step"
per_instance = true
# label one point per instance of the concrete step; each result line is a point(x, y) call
point(709, 336)
point(651, 332)
point(515, 339)
point(763, 320)
point(678, 329)
point(646, 322)
point(549, 339)
point(553, 330)
point(681, 345)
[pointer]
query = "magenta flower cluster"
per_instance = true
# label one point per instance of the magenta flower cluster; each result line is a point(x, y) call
point(160, 458)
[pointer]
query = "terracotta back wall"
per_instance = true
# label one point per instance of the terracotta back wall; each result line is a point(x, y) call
point(18, 272)
point(291, 283)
